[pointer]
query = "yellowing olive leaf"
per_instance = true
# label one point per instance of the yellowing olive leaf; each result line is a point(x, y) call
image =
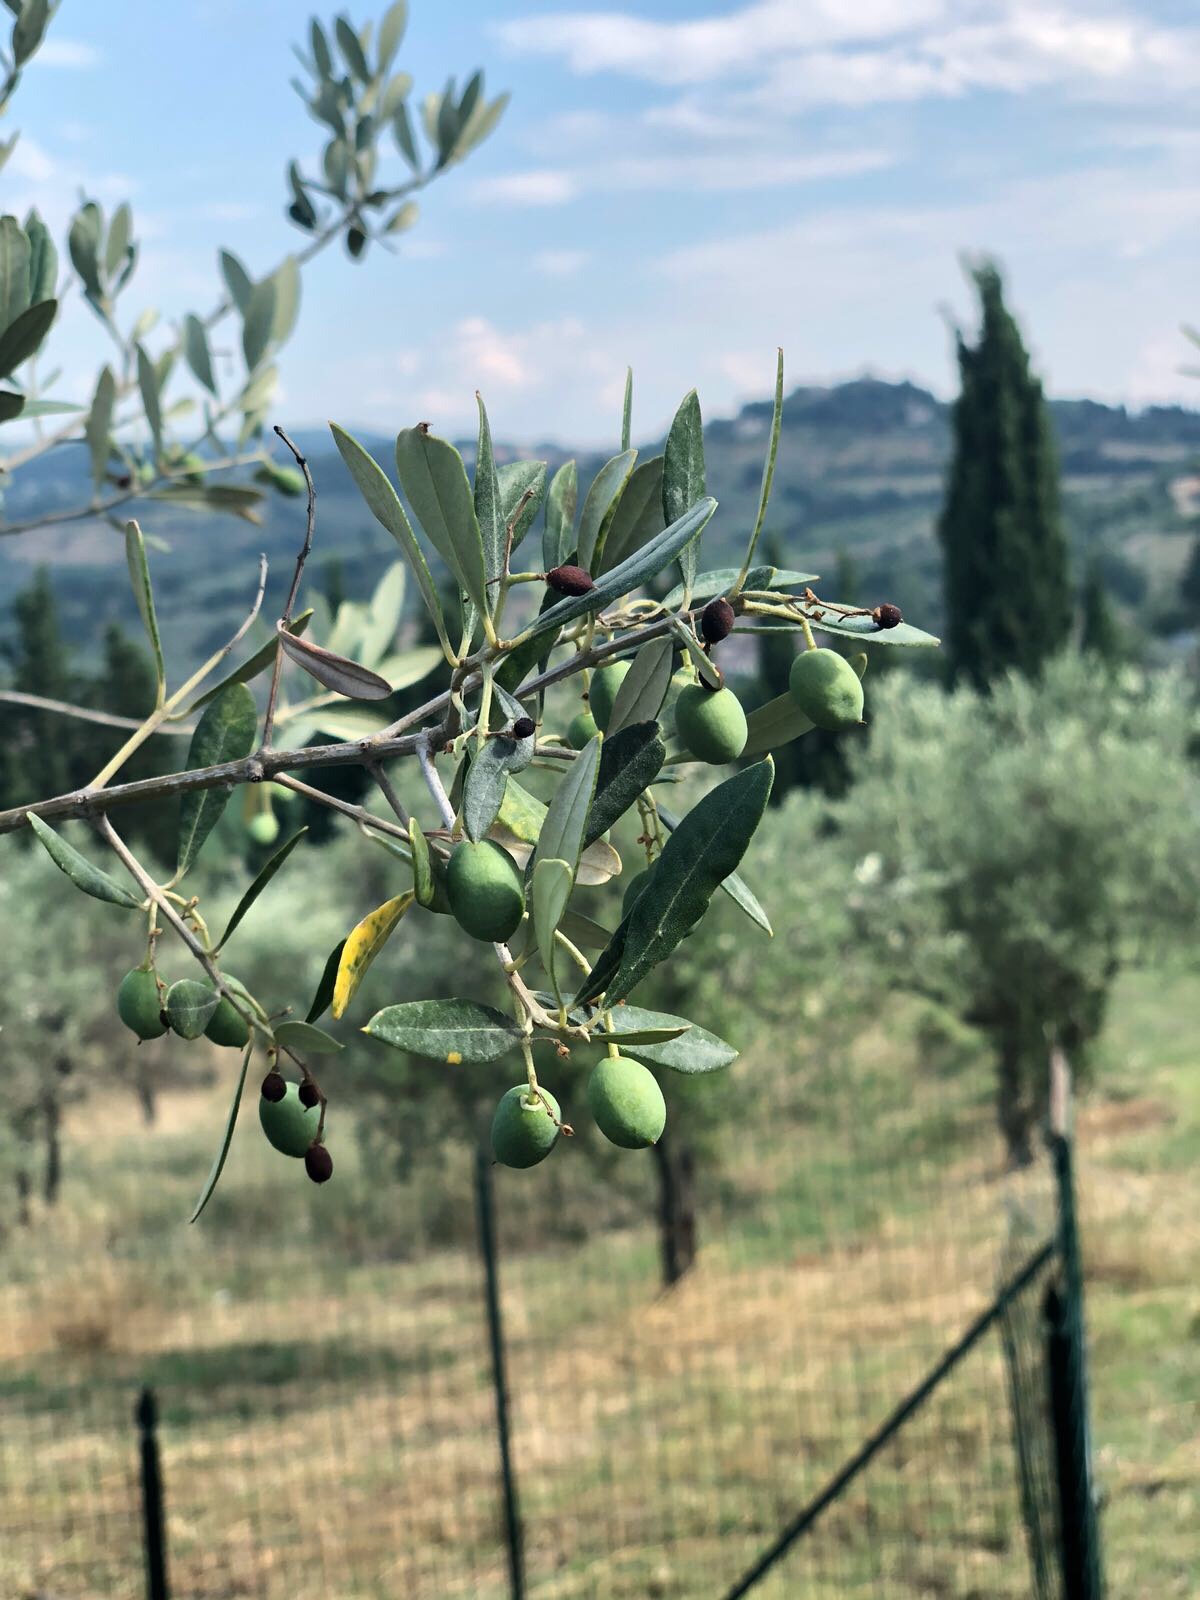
point(362, 945)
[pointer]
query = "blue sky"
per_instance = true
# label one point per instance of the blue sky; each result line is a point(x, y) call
point(681, 185)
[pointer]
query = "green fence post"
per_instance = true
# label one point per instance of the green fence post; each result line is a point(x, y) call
point(1067, 1371)
point(487, 1246)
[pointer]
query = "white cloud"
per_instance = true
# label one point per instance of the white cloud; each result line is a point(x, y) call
point(534, 188)
point(825, 52)
point(75, 54)
point(560, 263)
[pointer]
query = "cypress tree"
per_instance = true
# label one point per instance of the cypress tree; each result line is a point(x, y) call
point(1100, 633)
point(1007, 592)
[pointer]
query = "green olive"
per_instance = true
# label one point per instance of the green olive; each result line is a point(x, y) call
point(288, 1125)
point(711, 723)
point(227, 1026)
point(602, 691)
point(582, 730)
point(626, 1102)
point(264, 828)
point(139, 1004)
point(524, 1131)
point(827, 689)
point(487, 896)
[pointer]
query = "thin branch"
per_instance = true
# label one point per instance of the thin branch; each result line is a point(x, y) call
point(388, 791)
point(285, 619)
point(60, 708)
point(434, 783)
point(359, 814)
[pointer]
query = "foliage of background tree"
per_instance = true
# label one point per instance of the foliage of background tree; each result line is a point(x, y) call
point(1015, 850)
point(1007, 594)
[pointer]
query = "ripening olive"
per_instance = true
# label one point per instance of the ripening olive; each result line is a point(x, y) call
point(711, 723)
point(287, 1125)
point(602, 691)
point(524, 1130)
point(827, 689)
point(626, 1102)
point(487, 896)
point(139, 1004)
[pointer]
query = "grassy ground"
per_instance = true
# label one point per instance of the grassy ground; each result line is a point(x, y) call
point(328, 1418)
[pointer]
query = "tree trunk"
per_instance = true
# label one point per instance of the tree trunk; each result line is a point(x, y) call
point(24, 1189)
point(677, 1222)
point(143, 1085)
point(52, 1131)
point(1014, 1102)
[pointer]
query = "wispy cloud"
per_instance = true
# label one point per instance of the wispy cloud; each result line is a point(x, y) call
point(77, 55)
point(544, 187)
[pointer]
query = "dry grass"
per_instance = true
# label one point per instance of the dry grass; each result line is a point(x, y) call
point(328, 1429)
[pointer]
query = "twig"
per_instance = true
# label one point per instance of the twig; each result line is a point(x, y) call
point(359, 814)
point(388, 791)
point(305, 552)
point(434, 783)
point(60, 708)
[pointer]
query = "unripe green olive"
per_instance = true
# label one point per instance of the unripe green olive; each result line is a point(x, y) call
point(264, 828)
point(227, 1027)
point(827, 689)
point(487, 896)
point(581, 730)
point(287, 1125)
point(602, 691)
point(626, 1102)
point(139, 1004)
point(711, 723)
point(524, 1131)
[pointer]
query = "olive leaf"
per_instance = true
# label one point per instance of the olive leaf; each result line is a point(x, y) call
point(516, 479)
point(768, 472)
point(735, 886)
point(706, 669)
point(644, 687)
point(704, 849)
point(453, 1031)
point(553, 881)
point(488, 509)
point(693, 1051)
point(629, 763)
point(335, 672)
point(776, 723)
point(263, 878)
point(560, 837)
point(363, 943)
point(721, 579)
point(600, 507)
point(196, 352)
point(303, 1036)
point(487, 777)
point(558, 538)
point(384, 504)
point(683, 475)
point(324, 992)
point(639, 515)
point(143, 593)
point(23, 338)
point(224, 733)
point(433, 477)
point(630, 574)
point(189, 1007)
point(868, 630)
point(98, 427)
point(422, 867)
point(218, 1166)
point(83, 873)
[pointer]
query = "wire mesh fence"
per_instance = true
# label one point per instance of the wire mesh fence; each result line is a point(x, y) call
point(328, 1420)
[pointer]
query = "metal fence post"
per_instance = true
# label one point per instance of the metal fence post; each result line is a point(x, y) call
point(487, 1246)
point(153, 1521)
point(1067, 1371)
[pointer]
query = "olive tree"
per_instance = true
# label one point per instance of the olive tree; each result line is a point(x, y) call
point(1013, 851)
point(547, 729)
